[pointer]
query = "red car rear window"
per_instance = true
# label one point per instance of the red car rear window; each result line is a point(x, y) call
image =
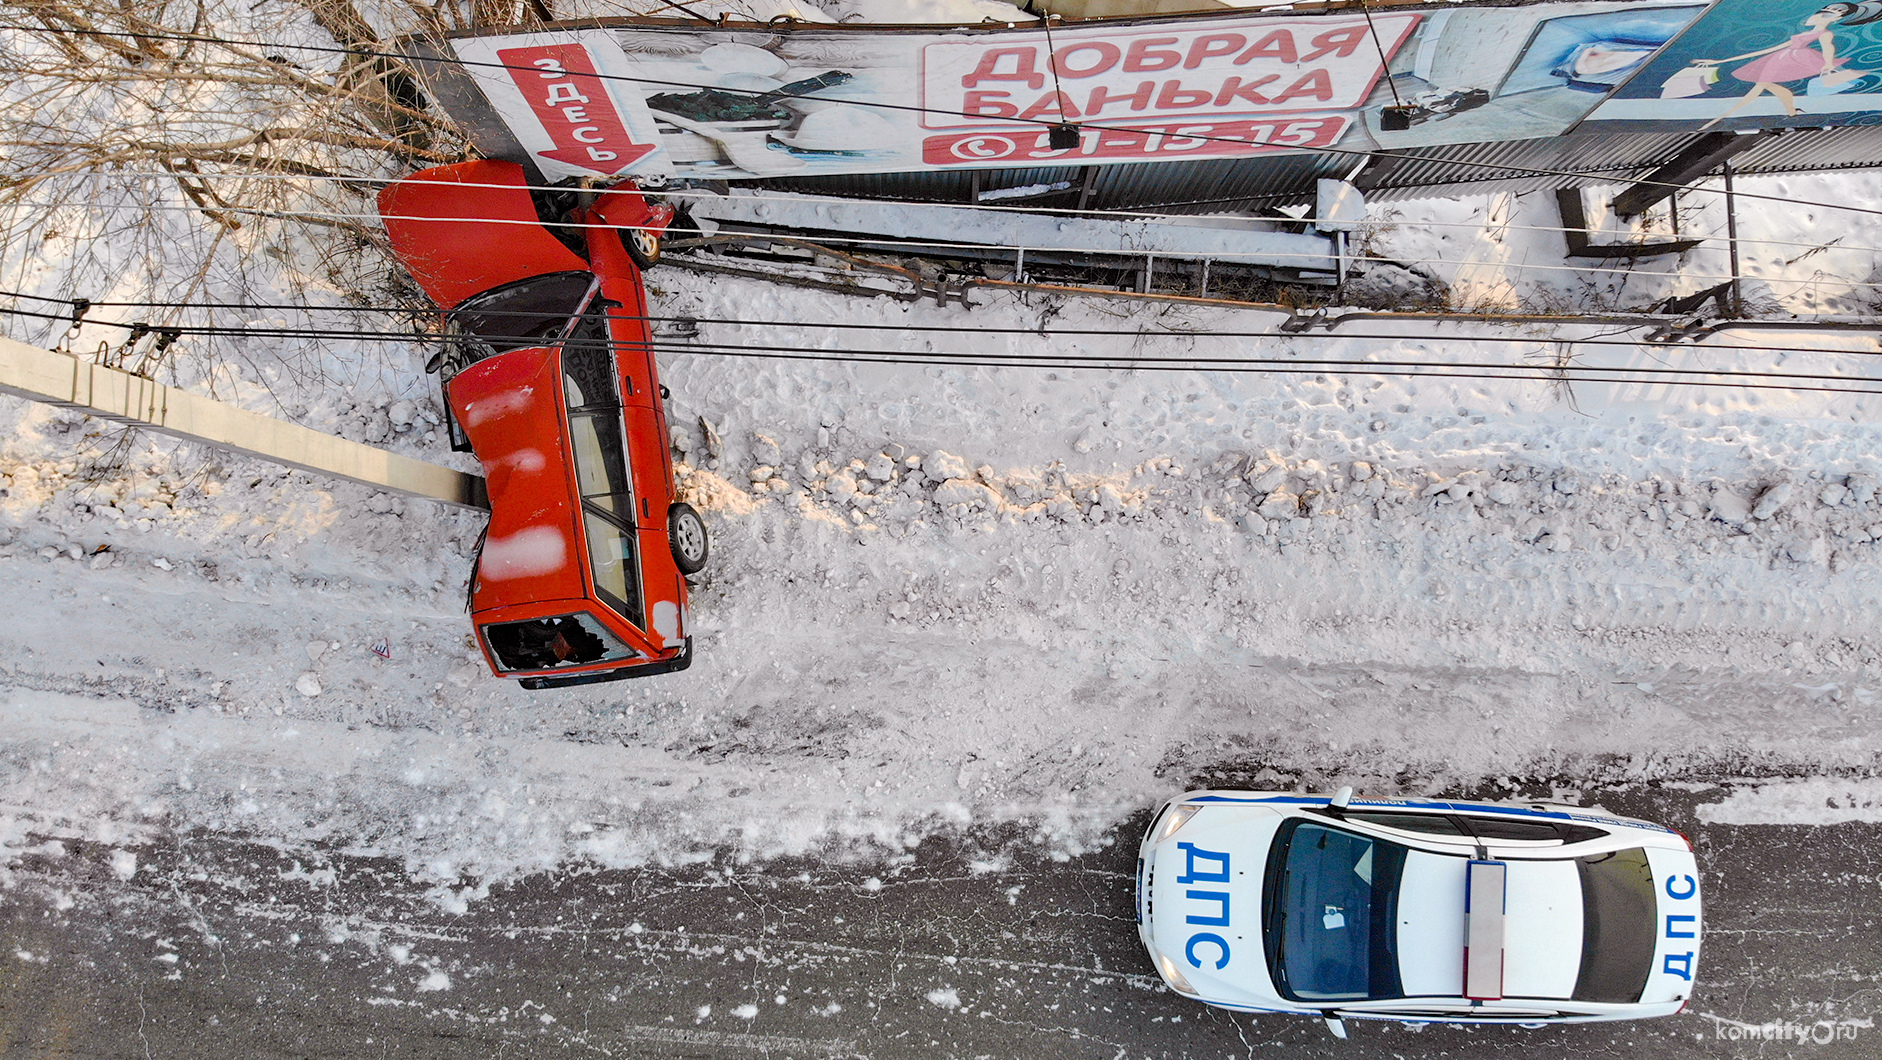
point(552, 643)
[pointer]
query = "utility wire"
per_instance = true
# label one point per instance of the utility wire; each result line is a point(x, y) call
point(1246, 365)
point(1342, 335)
point(1349, 152)
point(939, 246)
point(807, 197)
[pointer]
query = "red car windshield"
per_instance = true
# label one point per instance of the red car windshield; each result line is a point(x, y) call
point(528, 312)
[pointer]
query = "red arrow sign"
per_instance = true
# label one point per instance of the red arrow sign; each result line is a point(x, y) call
point(572, 104)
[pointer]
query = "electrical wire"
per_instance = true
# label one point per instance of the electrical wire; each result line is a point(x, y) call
point(1350, 152)
point(425, 336)
point(808, 197)
point(1238, 364)
point(1267, 257)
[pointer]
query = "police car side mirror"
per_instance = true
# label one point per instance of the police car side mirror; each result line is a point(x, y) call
point(1336, 1025)
point(1341, 798)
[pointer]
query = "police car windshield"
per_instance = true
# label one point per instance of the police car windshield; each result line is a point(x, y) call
point(1329, 913)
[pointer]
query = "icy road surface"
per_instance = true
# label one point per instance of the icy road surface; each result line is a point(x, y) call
point(207, 948)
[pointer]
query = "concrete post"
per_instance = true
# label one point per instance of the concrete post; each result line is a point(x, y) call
point(64, 380)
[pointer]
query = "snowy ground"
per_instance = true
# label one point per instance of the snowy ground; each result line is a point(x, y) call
point(992, 612)
point(972, 596)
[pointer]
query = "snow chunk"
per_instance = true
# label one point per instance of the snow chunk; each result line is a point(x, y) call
point(1280, 505)
point(946, 997)
point(1771, 500)
point(1813, 801)
point(968, 495)
point(745, 1012)
point(944, 465)
point(124, 864)
point(1728, 507)
point(765, 450)
point(437, 980)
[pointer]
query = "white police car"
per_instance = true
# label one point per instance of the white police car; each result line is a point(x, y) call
point(1418, 911)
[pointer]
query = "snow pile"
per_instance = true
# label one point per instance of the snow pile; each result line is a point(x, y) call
point(1811, 801)
point(946, 597)
point(1799, 254)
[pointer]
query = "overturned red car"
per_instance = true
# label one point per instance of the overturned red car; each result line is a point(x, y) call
point(550, 380)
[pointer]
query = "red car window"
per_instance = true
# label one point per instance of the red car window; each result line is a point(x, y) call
point(614, 565)
point(548, 643)
point(602, 472)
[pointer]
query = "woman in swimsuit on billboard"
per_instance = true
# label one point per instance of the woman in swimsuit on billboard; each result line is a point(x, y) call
point(1805, 55)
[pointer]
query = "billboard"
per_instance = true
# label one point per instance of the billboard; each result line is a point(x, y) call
point(1759, 64)
point(732, 102)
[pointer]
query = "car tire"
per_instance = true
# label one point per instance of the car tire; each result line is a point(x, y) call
point(686, 537)
point(643, 245)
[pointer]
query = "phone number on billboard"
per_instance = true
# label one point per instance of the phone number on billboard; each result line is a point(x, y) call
point(1218, 139)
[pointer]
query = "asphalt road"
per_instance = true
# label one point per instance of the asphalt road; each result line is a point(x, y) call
point(220, 949)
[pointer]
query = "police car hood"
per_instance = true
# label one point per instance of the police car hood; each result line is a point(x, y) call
point(1545, 920)
point(1205, 894)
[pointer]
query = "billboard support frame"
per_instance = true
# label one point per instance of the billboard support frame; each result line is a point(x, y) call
point(1692, 164)
point(1582, 245)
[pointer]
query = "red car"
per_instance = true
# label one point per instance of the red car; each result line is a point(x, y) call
point(550, 379)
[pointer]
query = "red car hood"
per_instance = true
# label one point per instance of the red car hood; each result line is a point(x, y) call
point(510, 406)
point(459, 238)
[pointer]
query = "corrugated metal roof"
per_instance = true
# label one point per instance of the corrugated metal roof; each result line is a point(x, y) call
point(1217, 185)
point(1850, 147)
point(1471, 169)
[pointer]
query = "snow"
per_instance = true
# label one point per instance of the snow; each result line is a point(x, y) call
point(1808, 801)
point(949, 596)
point(525, 554)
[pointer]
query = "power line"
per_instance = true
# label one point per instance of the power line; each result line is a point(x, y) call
point(1311, 337)
point(1349, 152)
point(942, 246)
point(1113, 362)
point(1203, 333)
point(809, 197)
